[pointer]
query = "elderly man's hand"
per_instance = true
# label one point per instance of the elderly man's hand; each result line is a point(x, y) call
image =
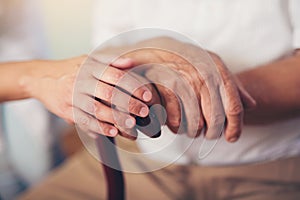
point(220, 97)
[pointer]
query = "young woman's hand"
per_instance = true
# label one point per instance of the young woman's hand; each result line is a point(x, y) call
point(83, 95)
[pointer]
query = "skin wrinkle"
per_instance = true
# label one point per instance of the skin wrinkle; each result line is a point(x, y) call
point(185, 74)
point(182, 49)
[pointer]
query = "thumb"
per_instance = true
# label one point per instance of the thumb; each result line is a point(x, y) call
point(115, 61)
point(247, 100)
point(123, 63)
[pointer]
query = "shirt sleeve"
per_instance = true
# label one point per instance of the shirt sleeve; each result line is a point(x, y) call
point(294, 8)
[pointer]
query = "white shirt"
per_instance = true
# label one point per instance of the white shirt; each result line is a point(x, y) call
point(246, 34)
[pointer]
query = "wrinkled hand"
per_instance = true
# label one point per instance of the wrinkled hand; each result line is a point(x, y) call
point(83, 95)
point(221, 98)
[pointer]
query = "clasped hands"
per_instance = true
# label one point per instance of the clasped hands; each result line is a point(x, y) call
point(84, 95)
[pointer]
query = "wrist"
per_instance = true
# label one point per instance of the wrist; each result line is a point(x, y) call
point(39, 72)
point(33, 72)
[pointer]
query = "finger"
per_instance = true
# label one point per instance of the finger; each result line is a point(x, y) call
point(178, 97)
point(121, 100)
point(105, 113)
point(157, 114)
point(201, 124)
point(173, 109)
point(232, 104)
point(125, 81)
point(150, 125)
point(138, 74)
point(190, 117)
point(114, 96)
point(128, 133)
point(122, 63)
point(165, 87)
point(114, 76)
point(234, 112)
point(191, 109)
point(90, 124)
point(213, 110)
point(247, 100)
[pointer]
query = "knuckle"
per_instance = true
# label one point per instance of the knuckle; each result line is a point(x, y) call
point(134, 106)
point(174, 121)
point(168, 91)
point(104, 128)
point(217, 120)
point(91, 107)
point(118, 75)
point(193, 123)
point(120, 119)
point(97, 107)
point(139, 90)
point(235, 109)
point(206, 76)
point(108, 91)
point(83, 121)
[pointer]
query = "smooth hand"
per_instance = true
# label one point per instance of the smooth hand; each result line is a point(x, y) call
point(89, 104)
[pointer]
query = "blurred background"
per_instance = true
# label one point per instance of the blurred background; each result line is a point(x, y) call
point(38, 29)
point(68, 33)
point(63, 35)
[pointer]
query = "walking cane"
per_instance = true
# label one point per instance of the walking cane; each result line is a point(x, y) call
point(150, 126)
point(114, 177)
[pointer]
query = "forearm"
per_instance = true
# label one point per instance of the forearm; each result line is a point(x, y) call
point(276, 89)
point(13, 75)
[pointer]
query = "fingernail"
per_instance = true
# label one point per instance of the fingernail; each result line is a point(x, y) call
point(129, 123)
point(113, 132)
point(233, 139)
point(144, 112)
point(147, 96)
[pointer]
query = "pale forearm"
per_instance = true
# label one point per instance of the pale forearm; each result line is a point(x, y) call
point(13, 74)
point(276, 89)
